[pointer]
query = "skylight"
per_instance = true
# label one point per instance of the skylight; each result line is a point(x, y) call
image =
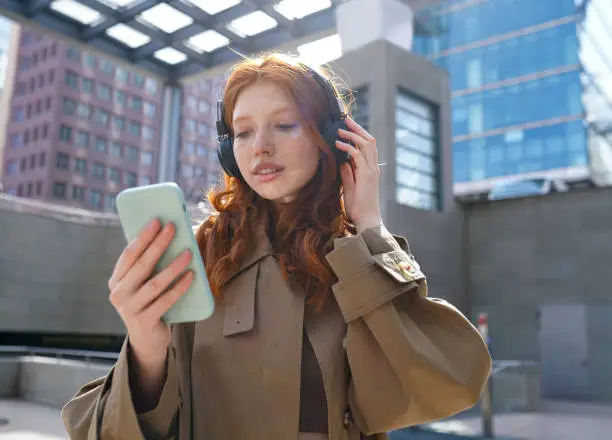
point(321, 51)
point(208, 41)
point(76, 10)
point(115, 4)
point(128, 36)
point(252, 24)
point(166, 18)
point(293, 9)
point(213, 7)
point(169, 55)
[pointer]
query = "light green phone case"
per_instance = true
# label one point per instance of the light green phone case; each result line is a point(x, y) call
point(139, 205)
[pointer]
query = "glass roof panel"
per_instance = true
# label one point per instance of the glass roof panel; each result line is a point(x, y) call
point(76, 10)
point(208, 41)
point(321, 51)
point(252, 24)
point(116, 4)
point(172, 39)
point(166, 18)
point(169, 55)
point(128, 36)
point(213, 7)
point(293, 9)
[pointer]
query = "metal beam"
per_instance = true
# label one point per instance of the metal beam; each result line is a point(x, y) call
point(35, 6)
point(123, 15)
point(38, 14)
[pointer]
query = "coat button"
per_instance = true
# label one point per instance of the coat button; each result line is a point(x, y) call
point(347, 421)
point(407, 270)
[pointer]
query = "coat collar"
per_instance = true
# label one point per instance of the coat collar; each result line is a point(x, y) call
point(259, 249)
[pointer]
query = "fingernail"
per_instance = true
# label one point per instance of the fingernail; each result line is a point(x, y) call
point(153, 224)
point(187, 252)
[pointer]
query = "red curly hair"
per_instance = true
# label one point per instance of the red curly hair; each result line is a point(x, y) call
point(302, 232)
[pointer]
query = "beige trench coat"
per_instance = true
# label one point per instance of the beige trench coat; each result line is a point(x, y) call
point(390, 356)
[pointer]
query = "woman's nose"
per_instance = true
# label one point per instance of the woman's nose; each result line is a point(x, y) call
point(262, 142)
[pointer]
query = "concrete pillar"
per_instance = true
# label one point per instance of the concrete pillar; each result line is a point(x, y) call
point(167, 158)
point(360, 22)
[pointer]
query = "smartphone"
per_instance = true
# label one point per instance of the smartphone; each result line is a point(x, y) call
point(136, 208)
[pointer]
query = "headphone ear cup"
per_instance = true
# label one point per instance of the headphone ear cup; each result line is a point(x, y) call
point(330, 134)
point(227, 160)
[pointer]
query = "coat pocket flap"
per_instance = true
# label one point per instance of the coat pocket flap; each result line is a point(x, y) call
point(400, 265)
point(239, 313)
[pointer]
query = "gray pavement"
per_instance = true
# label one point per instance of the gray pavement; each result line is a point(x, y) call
point(556, 421)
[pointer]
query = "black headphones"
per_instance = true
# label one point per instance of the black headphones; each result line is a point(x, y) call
point(328, 128)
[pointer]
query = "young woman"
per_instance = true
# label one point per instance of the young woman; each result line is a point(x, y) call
point(323, 328)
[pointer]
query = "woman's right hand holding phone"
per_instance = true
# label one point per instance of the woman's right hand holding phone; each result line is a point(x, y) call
point(141, 298)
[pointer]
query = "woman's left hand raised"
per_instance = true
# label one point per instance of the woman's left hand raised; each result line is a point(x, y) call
point(360, 176)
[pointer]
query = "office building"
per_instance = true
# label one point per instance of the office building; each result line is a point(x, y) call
point(83, 127)
point(9, 33)
point(530, 88)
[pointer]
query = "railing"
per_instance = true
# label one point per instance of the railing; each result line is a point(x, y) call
point(79, 215)
point(54, 210)
point(58, 353)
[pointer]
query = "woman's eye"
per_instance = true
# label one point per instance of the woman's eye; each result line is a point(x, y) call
point(241, 134)
point(286, 127)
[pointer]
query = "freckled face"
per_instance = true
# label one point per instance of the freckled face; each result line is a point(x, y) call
point(273, 149)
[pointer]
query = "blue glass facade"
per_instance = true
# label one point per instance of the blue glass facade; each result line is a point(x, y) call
point(517, 73)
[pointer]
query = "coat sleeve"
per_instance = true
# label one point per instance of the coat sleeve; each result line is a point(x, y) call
point(413, 359)
point(103, 408)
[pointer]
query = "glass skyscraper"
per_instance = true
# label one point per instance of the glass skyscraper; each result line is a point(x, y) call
point(531, 88)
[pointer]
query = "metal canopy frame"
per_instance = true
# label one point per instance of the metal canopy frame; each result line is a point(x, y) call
point(40, 13)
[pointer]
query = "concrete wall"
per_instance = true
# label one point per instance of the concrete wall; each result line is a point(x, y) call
point(435, 237)
point(54, 274)
point(527, 254)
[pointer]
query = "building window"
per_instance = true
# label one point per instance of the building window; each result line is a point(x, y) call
point(84, 110)
point(62, 161)
point(80, 166)
point(120, 98)
point(148, 132)
point(149, 110)
point(12, 168)
point(59, 190)
point(136, 103)
point(134, 128)
point(68, 106)
point(87, 85)
point(131, 154)
point(130, 178)
point(65, 133)
point(121, 75)
point(114, 175)
point(138, 80)
point(111, 202)
point(100, 145)
point(71, 79)
point(118, 123)
point(102, 117)
point(104, 92)
point(78, 193)
point(99, 170)
point(82, 139)
point(89, 60)
point(116, 149)
point(146, 158)
point(417, 156)
point(73, 54)
point(95, 198)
